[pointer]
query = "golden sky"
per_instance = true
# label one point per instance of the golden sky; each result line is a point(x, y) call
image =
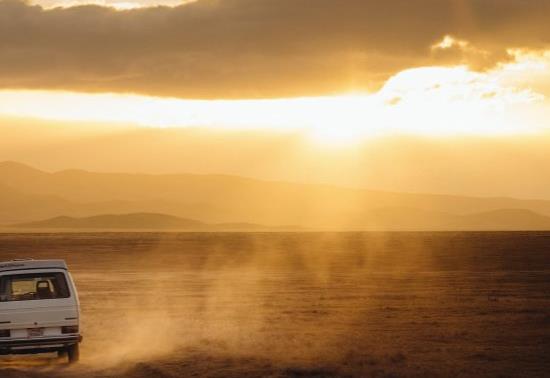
point(258, 48)
point(130, 4)
point(426, 101)
point(340, 75)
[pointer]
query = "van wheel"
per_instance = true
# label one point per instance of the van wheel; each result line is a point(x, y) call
point(74, 353)
point(62, 353)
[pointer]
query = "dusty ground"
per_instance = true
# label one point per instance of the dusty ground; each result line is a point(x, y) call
point(301, 305)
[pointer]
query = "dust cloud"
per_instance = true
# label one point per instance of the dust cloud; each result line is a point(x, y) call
point(298, 304)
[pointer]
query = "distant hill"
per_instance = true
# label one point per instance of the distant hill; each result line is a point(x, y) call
point(417, 219)
point(380, 219)
point(27, 194)
point(15, 203)
point(136, 221)
point(506, 219)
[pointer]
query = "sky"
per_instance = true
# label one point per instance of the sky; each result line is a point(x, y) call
point(345, 78)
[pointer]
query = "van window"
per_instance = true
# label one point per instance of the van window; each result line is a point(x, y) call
point(36, 286)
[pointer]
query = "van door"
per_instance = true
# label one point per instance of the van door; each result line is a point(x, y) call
point(37, 303)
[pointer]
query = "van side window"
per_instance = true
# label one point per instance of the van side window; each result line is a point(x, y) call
point(36, 286)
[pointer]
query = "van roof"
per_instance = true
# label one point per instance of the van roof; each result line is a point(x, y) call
point(32, 264)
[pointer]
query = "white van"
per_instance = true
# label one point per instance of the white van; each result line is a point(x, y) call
point(39, 309)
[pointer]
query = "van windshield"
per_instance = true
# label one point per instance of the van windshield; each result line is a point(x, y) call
point(35, 286)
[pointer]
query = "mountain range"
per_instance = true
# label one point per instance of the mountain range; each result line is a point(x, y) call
point(139, 221)
point(28, 195)
point(382, 219)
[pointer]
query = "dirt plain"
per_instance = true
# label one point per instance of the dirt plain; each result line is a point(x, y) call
point(301, 304)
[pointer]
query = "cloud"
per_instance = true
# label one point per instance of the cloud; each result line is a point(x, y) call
point(529, 70)
point(117, 4)
point(257, 48)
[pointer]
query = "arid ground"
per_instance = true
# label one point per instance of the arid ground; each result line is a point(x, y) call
point(301, 304)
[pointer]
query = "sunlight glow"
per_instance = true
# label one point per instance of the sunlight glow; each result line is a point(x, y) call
point(431, 101)
point(448, 42)
point(116, 4)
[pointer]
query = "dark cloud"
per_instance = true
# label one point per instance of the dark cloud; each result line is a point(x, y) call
point(255, 48)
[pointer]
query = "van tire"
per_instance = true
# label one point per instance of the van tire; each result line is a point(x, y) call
point(74, 353)
point(62, 353)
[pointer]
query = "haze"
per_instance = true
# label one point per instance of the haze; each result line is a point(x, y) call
point(447, 97)
point(279, 188)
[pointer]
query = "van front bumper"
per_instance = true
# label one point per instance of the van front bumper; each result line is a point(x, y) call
point(16, 346)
